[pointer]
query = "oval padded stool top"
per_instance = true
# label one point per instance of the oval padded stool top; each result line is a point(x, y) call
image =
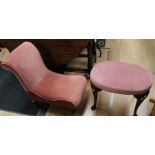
point(121, 78)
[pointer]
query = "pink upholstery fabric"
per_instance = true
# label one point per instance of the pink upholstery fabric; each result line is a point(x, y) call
point(122, 78)
point(39, 82)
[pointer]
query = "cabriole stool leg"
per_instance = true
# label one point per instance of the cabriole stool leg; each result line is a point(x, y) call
point(95, 93)
point(140, 99)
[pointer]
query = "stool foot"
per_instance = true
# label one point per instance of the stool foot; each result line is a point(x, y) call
point(140, 99)
point(95, 93)
point(93, 107)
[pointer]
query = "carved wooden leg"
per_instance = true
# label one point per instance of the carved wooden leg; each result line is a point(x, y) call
point(140, 99)
point(95, 93)
point(42, 108)
point(94, 50)
point(90, 56)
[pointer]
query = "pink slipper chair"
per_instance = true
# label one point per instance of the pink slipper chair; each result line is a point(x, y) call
point(42, 84)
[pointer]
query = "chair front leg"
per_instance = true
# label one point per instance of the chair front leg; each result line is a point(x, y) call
point(42, 107)
point(140, 99)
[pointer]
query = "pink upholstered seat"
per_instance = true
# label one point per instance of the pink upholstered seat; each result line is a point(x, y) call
point(122, 78)
point(42, 84)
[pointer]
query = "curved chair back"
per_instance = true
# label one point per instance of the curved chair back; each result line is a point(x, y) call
point(26, 63)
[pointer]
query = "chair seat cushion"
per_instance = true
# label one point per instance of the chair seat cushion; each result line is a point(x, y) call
point(121, 78)
point(63, 90)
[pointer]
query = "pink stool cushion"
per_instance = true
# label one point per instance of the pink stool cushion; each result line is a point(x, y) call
point(121, 78)
point(39, 82)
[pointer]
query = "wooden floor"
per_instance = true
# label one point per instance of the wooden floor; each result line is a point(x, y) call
point(140, 52)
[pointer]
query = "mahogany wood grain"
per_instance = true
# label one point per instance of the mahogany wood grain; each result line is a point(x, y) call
point(55, 52)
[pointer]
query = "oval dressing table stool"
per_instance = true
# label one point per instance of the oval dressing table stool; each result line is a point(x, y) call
point(121, 78)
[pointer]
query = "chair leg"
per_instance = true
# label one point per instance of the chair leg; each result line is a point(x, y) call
point(140, 99)
point(74, 111)
point(42, 108)
point(95, 93)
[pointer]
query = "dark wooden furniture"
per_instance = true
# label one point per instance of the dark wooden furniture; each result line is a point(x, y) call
point(57, 52)
point(91, 55)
